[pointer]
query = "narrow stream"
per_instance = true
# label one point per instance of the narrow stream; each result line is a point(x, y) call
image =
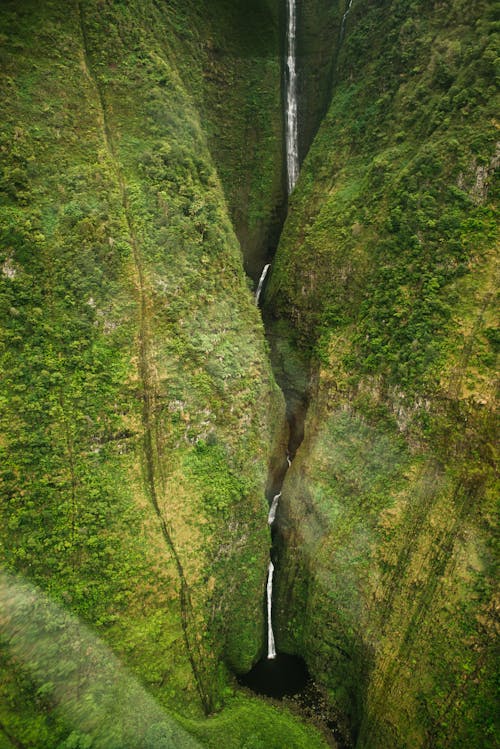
point(292, 170)
point(344, 19)
point(261, 283)
point(271, 647)
point(281, 674)
point(291, 114)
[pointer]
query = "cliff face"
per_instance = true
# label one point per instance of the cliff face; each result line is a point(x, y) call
point(241, 107)
point(387, 265)
point(138, 406)
point(318, 29)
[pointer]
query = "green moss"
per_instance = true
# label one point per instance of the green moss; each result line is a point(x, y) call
point(385, 268)
point(397, 212)
point(233, 71)
point(253, 724)
point(138, 406)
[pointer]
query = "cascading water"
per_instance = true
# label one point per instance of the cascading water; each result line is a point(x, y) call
point(274, 506)
point(280, 674)
point(261, 282)
point(292, 168)
point(291, 118)
point(291, 115)
point(271, 649)
point(344, 18)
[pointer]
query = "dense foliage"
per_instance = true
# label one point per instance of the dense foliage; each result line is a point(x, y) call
point(137, 404)
point(388, 267)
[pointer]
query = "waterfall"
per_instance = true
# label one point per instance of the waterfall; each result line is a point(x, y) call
point(291, 123)
point(271, 650)
point(274, 506)
point(292, 167)
point(344, 18)
point(261, 282)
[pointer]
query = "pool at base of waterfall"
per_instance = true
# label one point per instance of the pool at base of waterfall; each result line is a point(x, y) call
point(278, 677)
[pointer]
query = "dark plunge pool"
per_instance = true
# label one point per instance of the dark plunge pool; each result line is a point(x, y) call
point(278, 677)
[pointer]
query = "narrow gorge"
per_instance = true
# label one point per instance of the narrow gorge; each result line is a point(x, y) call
point(249, 354)
point(286, 674)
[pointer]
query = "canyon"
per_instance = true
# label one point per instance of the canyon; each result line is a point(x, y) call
point(248, 282)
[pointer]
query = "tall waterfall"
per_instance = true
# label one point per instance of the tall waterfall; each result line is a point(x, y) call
point(291, 122)
point(261, 282)
point(292, 168)
point(271, 649)
point(274, 506)
point(344, 18)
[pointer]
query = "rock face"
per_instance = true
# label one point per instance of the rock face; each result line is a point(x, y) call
point(386, 266)
point(138, 408)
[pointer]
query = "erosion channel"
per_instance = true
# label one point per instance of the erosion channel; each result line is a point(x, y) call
point(281, 674)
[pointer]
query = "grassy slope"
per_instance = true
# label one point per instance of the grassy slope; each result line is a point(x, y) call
point(387, 264)
point(137, 404)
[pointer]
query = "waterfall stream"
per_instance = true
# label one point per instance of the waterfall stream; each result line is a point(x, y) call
point(291, 118)
point(274, 506)
point(292, 168)
point(344, 18)
point(261, 283)
point(271, 649)
point(280, 674)
point(291, 115)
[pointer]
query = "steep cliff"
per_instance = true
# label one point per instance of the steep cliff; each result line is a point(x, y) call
point(387, 268)
point(138, 406)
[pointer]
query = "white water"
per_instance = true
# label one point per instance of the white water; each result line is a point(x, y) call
point(261, 282)
point(288, 460)
point(344, 18)
point(292, 166)
point(274, 506)
point(271, 649)
point(291, 122)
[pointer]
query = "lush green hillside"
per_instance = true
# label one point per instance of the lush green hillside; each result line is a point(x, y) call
point(318, 28)
point(241, 105)
point(228, 55)
point(137, 404)
point(387, 268)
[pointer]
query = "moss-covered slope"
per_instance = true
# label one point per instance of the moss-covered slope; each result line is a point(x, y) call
point(137, 404)
point(387, 267)
point(230, 61)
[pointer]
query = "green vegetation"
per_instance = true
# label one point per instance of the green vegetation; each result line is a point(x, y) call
point(387, 266)
point(400, 211)
point(141, 148)
point(251, 723)
point(137, 405)
point(318, 25)
point(230, 62)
